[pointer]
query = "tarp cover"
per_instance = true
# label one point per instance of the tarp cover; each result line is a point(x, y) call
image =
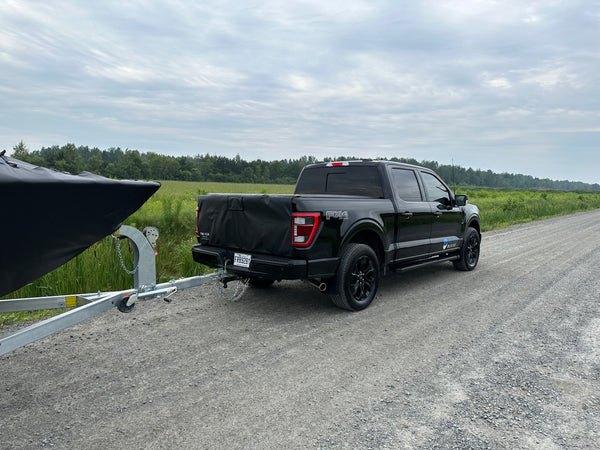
point(49, 217)
point(252, 222)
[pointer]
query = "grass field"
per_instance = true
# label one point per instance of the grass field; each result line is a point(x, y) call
point(503, 208)
point(172, 210)
point(195, 188)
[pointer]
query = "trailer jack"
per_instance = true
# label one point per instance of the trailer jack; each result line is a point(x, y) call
point(84, 306)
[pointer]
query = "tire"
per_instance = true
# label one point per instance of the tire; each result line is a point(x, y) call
point(122, 305)
point(357, 278)
point(469, 252)
point(260, 283)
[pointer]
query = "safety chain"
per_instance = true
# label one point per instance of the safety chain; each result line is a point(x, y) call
point(241, 284)
point(116, 241)
point(240, 287)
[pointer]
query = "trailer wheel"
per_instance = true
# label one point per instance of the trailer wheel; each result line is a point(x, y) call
point(122, 305)
point(260, 283)
point(357, 278)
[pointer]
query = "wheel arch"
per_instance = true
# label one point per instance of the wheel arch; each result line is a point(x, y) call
point(474, 223)
point(368, 234)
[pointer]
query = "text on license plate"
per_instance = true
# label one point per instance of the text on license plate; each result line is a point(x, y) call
point(242, 260)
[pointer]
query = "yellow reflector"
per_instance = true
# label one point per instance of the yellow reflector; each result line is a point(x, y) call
point(71, 301)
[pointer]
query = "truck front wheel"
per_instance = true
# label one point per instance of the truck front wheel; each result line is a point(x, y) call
point(357, 278)
point(469, 252)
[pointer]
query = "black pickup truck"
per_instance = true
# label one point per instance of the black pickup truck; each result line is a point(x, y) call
point(346, 224)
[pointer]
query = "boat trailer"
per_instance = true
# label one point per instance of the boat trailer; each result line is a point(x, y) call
point(85, 306)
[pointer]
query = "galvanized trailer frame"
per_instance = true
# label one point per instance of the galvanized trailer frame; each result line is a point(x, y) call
point(89, 305)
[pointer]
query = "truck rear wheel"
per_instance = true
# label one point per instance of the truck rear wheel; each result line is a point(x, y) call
point(357, 278)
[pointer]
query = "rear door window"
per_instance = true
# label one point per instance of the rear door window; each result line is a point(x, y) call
point(349, 180)
point(405, 184)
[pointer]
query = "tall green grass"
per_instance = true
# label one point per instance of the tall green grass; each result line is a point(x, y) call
point(172, 210)
point(503, 208)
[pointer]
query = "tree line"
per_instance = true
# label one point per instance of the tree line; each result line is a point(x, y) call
point(132, 164)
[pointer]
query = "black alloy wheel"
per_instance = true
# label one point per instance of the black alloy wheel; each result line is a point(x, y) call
point(357, 279)
point(469, 252)
point(363, 279)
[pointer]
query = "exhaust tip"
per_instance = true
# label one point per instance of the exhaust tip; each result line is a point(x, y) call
point(320, 285)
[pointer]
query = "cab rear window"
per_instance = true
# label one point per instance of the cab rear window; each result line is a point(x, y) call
point(349, 180)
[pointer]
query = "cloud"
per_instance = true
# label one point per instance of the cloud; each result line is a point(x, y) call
point(552, 77)
point(501, 83)
point(371, 78)
point(514, 113)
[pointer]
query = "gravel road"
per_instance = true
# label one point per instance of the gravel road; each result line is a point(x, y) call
point(507, 356)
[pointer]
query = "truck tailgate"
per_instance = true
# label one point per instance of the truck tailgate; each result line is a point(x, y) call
point(248, 222)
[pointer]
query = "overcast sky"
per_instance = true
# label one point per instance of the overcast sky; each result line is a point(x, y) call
point(511, 86)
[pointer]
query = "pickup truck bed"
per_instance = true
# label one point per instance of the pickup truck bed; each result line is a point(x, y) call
point(346, 224)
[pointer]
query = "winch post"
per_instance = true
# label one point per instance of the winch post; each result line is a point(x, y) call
point(144, 276)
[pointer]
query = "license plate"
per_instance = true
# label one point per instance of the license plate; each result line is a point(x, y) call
point(242, 260)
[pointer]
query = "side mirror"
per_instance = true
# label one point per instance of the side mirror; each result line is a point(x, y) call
point(461, 199)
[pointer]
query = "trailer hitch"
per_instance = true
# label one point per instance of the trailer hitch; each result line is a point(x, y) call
point(238, 290)
point(228, 279)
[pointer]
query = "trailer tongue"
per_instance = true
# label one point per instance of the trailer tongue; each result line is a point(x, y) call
point(85, 306)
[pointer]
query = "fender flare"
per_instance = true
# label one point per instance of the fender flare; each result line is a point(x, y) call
point(366, 226)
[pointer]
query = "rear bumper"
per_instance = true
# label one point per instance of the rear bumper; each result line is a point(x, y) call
point(266, 266)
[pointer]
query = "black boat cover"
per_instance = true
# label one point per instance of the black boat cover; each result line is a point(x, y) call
point(49, 217)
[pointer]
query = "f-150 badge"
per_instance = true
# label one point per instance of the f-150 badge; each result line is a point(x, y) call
point(336, 215)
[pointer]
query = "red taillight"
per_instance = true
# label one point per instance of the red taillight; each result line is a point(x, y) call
point(197, 218)
point(304, 228)
point(338, 164)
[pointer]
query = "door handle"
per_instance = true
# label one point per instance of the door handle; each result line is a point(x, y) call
point(438, 214)
point(406, 214)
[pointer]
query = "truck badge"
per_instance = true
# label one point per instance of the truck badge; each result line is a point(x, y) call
point(336, 215)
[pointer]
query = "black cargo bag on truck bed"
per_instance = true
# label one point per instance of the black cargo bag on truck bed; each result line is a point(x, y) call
point(252, 222)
